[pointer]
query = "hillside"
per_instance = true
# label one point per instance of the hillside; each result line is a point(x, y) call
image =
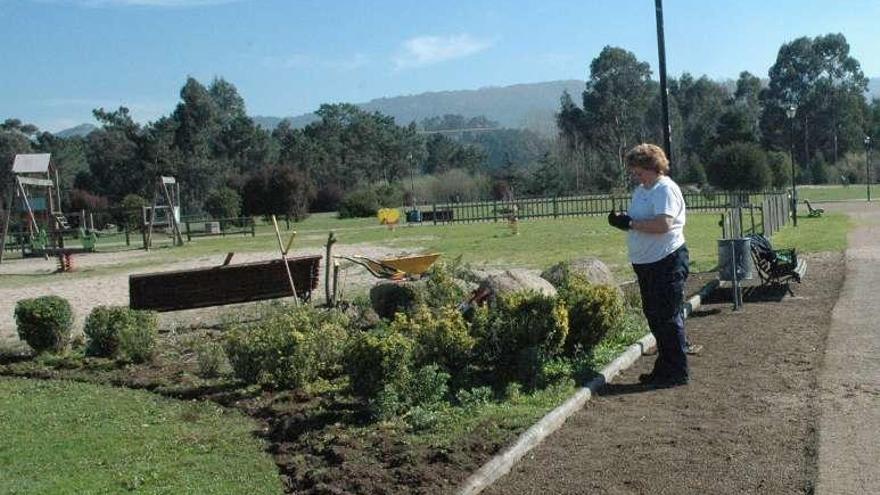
point(530, 106)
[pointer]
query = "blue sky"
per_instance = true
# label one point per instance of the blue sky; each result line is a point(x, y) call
point(62, 58)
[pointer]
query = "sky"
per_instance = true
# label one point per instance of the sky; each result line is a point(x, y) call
point(63, 58)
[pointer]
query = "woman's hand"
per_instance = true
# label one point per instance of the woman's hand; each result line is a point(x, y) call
point(621, 221)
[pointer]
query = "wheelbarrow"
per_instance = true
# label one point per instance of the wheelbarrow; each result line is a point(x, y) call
point(399, 268)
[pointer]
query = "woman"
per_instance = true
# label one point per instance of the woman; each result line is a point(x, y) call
point(655, 224)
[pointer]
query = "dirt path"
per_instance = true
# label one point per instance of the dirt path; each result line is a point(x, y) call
point(849, 426)
point(746, 424)
point(86, 292)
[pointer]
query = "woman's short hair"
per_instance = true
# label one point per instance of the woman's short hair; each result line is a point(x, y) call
point(649, 157)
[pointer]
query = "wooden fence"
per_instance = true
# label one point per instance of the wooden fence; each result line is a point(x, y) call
point(766, 218)
point(566, 206)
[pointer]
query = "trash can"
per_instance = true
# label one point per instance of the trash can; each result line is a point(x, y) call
point(212, 227)
point(741, 248)
point(414, 216)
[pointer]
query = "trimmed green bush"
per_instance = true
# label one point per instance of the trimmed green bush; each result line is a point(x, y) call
point(137, 340)
point(520, 331)
point(288, 349)
point(44, 322)
point(418, 397)
point(442, 288)
point(117, 331)
point(378, 358)
point(442, 338)
point(391, 298)
point(593, 312)
point(102, 329)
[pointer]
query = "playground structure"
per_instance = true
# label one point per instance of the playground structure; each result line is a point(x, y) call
point(165, 211)
point(36, 197)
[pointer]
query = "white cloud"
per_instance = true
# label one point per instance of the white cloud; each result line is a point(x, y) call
point(427, 50)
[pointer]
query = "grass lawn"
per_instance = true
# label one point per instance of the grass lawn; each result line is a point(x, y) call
point(68, 437)
point(835, 193)
point(539, 244)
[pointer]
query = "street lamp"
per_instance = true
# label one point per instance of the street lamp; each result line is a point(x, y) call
point(868, 165)
point(790, 112)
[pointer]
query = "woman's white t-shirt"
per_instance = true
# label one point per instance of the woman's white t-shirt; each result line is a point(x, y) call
point(663, 198)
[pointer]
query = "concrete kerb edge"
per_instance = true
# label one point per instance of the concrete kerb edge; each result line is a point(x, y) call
point(503, 462)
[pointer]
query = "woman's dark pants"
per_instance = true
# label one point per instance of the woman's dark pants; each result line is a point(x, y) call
point(662, 288)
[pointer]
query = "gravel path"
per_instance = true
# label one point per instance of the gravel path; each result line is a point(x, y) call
point(86, 292)
point(849, 426)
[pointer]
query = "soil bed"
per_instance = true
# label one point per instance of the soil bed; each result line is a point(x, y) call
point(746, 424)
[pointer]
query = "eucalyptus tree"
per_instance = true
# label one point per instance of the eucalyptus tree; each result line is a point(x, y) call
point(615, 101)
point(826, 84)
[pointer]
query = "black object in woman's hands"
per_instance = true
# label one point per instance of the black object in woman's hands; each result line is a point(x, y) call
point(619, 220)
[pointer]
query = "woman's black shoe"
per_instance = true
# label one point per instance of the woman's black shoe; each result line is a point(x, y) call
point(669, 382)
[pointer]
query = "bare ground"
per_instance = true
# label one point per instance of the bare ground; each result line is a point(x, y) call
point(747, 423)
point(85, 292)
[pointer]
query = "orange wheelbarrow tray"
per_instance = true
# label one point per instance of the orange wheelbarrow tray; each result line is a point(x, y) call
point(395, 268)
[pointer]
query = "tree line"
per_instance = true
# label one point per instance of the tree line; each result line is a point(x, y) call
point(728, 135)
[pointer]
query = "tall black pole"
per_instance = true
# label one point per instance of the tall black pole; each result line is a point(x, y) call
point(664, 93)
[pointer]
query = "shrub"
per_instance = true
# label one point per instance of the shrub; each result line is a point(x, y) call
point(119, 331)
point(390, 298)
point(359, 203)
point(137, 340)
point(739, 166)
point(223, 203)
point(522, 329)
point(442, 339)
point(102, 329)
point(378, 358)
point(593, 312)
point(210, 360)
point(419, 396)
point(290, 348)
point(475, 397)
point(44, 322)
point(442, 288)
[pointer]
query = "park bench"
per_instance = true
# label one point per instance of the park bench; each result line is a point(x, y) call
point(437, 215)
point(813, 212)
point(776, 267)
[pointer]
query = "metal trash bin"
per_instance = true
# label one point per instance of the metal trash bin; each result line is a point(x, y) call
point(212, 227)
point(735, 264)
point(414, 216)
point(741, 248)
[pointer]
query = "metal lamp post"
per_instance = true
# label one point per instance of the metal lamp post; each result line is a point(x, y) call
point(790, 112)
point(868, 165)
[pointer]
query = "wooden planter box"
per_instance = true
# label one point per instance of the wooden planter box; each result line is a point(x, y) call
point(219, 285)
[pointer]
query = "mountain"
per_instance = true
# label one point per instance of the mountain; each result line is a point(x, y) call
point(530, 106)
point(874, 87)
point(81, 130)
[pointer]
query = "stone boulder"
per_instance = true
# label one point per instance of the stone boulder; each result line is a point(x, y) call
point(515, 280)
point(592, 269)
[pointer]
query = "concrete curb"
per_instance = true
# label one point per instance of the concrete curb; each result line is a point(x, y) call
point(501, 463)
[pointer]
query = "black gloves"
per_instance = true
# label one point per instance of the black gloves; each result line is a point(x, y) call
point(619, 220)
